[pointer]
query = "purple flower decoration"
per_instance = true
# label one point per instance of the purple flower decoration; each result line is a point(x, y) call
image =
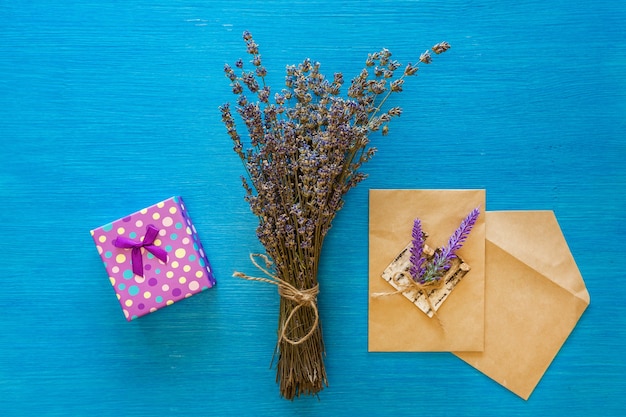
point(441, 261)
point(417, 253)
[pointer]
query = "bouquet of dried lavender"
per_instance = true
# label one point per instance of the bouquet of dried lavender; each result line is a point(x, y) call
point(305, 151)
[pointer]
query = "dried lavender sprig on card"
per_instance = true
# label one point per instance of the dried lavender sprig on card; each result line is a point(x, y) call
point(417, 251)
point(307, 144)
point(441, 261)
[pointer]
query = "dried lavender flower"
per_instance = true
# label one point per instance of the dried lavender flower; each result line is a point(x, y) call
point(418, 259)
point(229, 72)
point(426, 58)
point(410, 69)
point(396, 86)
point(461, 233)
point(441, 47)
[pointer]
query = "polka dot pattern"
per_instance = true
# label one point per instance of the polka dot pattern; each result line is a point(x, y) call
point(186, 272)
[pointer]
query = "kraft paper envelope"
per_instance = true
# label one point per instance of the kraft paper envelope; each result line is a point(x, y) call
point(395, 323)
point(534, 297)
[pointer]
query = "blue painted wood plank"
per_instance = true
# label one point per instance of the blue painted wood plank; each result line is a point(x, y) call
point(107, 107)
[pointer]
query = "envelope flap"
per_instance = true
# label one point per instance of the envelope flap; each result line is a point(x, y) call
point(535, 238)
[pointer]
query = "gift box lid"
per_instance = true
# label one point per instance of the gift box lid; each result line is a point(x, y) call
point(153, 257)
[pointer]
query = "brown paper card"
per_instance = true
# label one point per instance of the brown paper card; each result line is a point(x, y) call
point(533, 299)
point(394, 323)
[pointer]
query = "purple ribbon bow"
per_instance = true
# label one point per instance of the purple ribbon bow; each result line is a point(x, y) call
point(148, 240)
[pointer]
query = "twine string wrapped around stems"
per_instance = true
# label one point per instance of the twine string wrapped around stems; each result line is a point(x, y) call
point(301, 298)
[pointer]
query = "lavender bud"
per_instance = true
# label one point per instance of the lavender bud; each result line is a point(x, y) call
point(410, 69)
point(237, 88)
point(253, 48)
point(441, 47)
point(393, 65)
point(417, 257)
point(229, 72)
point(396, 86)
point(394, 111)
point(264, 94)
point(261, 72)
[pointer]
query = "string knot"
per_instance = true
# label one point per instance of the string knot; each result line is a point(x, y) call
point(300, 297)
point(411, 285)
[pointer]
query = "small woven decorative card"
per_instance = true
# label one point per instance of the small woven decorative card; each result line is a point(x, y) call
point(396, 274)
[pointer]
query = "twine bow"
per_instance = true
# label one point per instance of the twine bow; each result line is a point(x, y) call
point(414, 285)
point(410, 285)
point(147, 243)
point(302, 298)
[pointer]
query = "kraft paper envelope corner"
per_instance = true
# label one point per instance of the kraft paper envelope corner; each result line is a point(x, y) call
point(394, 323)
point(534, 297)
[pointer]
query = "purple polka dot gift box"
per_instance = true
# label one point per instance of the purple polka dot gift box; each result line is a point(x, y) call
point(153, 257)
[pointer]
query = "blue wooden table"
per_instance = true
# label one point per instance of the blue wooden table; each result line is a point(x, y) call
point(108, 107)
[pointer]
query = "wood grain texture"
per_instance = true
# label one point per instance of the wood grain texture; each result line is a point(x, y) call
point(107, 107)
